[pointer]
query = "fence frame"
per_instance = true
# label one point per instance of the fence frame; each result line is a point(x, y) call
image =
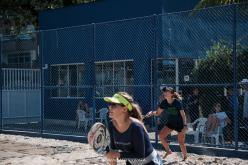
point(153, 86)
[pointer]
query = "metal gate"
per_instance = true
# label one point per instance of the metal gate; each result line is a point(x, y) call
point(21, 96)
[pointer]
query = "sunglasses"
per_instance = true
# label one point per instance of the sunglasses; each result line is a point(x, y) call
point(114, 105)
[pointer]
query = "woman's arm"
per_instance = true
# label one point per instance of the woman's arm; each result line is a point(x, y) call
point(112, 155)
point(160, 109)
point(158, 112)
point(155, 113)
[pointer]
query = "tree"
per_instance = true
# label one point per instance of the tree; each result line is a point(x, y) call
point(16, 14)
point(210, 3)
point(217, 68)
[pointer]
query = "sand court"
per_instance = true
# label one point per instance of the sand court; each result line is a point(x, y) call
point(23, 150)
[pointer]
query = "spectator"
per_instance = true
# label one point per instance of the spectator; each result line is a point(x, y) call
point(82, 105)
point(244, 85)
point(217, 119)
point(229, 102)
point(192, 105)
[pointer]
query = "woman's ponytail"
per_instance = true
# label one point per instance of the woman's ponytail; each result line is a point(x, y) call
point(178, 96)
point(136, 112)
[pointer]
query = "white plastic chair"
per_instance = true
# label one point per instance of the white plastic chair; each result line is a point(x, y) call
point(91, 111)
point(103, 115)
point(215, 136)
point(82, 118)
point(201, 122)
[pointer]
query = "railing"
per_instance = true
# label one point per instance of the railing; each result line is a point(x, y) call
point(19, 79)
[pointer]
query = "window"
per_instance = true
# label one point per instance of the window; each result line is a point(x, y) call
point(19, 60)
point(113, 77)
point(165, 71)
point(68, 80)
point(173, 71)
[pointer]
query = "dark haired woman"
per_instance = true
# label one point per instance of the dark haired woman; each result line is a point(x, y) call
point(171, 117)
point(127, 133)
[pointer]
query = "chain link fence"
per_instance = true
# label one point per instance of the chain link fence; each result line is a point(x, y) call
point(20, 83)
point(54, 81)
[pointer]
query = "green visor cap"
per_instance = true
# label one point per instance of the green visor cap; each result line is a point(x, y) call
point(119, 99)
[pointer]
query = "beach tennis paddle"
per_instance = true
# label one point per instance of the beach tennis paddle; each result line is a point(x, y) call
point(99, 138)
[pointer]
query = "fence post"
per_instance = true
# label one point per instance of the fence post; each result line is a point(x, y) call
point(93, 71)
point(40, 51)
point(1, 81)
point(235, 106)
point(155, 86)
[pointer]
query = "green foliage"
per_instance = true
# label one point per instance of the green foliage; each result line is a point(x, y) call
point(218, 62)
point(210, 3)
point(217, 68)
point(18, 13)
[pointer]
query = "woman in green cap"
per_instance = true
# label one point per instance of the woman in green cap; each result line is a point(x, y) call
point(129, 138)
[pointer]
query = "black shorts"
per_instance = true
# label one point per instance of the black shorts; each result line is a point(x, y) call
point(174, 126)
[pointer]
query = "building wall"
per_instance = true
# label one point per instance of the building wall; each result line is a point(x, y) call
point(135, 41)
point(129, 39)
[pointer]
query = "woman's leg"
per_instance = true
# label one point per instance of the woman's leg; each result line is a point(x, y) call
point(212, 123)
point(181, 140)
point(112, 162)
point(163, 138)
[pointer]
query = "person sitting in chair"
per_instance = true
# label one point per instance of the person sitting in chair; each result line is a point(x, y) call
point(216, 119)
point(83, 106)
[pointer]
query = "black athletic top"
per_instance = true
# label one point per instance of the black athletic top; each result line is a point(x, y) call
point(171, 116)
point(133, 143)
